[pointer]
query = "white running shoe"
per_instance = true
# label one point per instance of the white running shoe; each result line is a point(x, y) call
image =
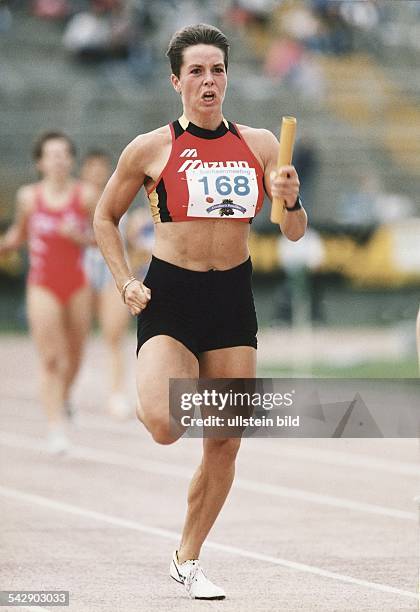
point(119, 407)
point(57, 441)
point(191, 575)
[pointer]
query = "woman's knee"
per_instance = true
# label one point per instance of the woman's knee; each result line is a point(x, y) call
point(161, 432)
point(113, 339)
point(158, 427)
point(222, 449)
point(55, 363)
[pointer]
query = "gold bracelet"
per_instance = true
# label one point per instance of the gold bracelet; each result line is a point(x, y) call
point(124, 287)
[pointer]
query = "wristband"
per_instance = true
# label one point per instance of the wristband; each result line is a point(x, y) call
point(124, 287)
point(297, 205)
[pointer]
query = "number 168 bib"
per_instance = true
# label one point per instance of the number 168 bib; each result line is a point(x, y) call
point(222, 192)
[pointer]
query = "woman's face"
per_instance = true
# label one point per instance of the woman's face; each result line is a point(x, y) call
point(56, 160)
point(202, 81)
point(96, 170)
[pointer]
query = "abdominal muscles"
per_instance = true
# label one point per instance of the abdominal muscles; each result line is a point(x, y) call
point(203, 244)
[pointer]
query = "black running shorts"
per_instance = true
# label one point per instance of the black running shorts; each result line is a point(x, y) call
point(203, 310)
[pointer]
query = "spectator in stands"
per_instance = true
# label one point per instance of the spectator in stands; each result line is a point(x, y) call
point(5, 16)
point(51, 9)
point(252, 10)
point(338, 38)
point(87, 35)
point(369, 204)
point(102, 32)
point(364, 15)
point(283, 58)
point(118, 32)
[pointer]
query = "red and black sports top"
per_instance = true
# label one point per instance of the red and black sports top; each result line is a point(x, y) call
point(210, 174)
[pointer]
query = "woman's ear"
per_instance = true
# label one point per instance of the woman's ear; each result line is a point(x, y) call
point(176, 83)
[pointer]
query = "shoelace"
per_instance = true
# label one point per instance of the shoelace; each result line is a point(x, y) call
point(191, 577)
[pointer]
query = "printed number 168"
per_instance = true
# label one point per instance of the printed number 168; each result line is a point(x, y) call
point(224, 185)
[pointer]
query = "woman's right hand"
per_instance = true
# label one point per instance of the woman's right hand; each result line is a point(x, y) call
point(137, 296)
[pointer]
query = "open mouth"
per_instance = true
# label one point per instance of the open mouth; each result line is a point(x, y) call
point(209, 96)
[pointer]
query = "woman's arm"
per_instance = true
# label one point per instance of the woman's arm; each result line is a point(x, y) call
point(118, 194)
point(282, 183)
point(16, 235)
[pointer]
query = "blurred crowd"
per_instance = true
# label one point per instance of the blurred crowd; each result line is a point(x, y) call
point(130, 30)
point(287, 34)
point(280, 32)
point(284, 35)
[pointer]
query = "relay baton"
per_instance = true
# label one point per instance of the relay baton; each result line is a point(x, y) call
point(287, 141)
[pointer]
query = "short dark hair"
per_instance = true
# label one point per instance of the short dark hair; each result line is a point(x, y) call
point(38, 147)
point(96, 154)
point(200, 34)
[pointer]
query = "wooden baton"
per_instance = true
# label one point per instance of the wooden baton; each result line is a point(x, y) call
point(287, 141)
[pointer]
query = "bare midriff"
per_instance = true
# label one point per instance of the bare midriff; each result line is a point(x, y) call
point(204, 244)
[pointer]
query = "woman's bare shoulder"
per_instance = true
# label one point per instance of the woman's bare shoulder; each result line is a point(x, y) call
point(154, 139)
point(146, 146)
point(25, 197)
point(256, 135)
point(262, 142)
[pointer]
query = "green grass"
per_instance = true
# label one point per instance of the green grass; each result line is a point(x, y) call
point(10, 328)
point(406, 368)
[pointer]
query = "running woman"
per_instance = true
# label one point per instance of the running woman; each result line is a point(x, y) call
point(113, 316)
point(205, 177)
point(53, 216)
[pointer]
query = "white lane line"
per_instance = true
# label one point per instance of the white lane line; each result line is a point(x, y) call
point(342, 458)
point(170, 469)
point(390, 466)
point(172, 535)
point(314, 455)
point(327, 500)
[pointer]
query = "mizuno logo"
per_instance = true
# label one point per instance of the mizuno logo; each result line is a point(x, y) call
point(189, 153)
point(193, 164)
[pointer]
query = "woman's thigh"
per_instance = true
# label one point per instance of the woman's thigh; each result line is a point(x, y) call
point(113, 314)
point(47, 322)
point(232, 362)
point(78, 318)
point(160, 359)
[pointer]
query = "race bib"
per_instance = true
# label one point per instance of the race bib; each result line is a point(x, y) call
point(222, 192)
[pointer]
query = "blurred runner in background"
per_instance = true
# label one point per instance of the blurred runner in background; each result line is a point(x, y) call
point(53, 217)
point(113, 316)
